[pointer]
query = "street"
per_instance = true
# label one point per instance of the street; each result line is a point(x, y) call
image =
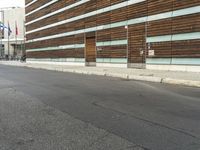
point(48, 110)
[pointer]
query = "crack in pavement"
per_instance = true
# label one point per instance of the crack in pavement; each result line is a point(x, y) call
point(151, 122)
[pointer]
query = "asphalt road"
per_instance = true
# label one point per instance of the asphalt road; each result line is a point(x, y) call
point(46, 110)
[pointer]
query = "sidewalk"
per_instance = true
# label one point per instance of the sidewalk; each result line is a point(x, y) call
point(169, 77)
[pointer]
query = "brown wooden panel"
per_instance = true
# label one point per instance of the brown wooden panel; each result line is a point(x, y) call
point(184, 24)
point(116, 15)
point(177, 49)
point(160, 27)
point(136, 43)
point(28, 1)
point(104, 35)
point(54, 42)
point(118, 33)
point(137, 10)
point(36, 5)
point(90, 49)
point(177, 25)
point(79, 10)
point(180, 4)
point(51, 8)
point(161, 49)
point(159, 6)
point(77, 39)
point(58, 29)
point(71, 53)
point(119, 15)
point(189, 48)
point(119, 51)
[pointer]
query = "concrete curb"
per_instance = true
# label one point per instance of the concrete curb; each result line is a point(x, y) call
point(190, 83)
point(117, 75)
point(68, 70)
point(181, 82)
point(97, 73)
point(146, 78)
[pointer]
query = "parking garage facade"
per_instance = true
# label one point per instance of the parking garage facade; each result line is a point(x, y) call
point(154, 34)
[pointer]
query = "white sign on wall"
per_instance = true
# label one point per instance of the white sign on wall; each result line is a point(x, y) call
point(151, 52)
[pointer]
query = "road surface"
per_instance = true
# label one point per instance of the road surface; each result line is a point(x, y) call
point(47, 110)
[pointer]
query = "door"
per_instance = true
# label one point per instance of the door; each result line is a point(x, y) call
point(90, 51)
point(137, 45)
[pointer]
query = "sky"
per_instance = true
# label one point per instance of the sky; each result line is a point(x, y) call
point(12, 3)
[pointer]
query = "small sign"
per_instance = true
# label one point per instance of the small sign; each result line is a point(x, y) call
point(149, 45)
point(99, 49)
point(151, 52)
point(141, 52)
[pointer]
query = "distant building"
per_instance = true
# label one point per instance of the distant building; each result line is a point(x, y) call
point(14, 45)
point(156, 34)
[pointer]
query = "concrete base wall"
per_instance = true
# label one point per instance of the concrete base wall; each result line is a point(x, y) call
point(185, 68)
point(115, 65)
point(137, 65)
point(57, 63)
point(93, 64)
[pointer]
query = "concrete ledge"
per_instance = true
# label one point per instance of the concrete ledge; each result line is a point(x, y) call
point(137, 65)
point(97, 73)
point(57, 63)
point(146, 78)
point(183, 68)
point(181, 82)
point(68, 70)
point(81, 71)
point(117, 75)
point(114, 65)
point(90, 63)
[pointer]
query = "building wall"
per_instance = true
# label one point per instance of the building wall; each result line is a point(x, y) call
point(13, 16)
point(129, 32)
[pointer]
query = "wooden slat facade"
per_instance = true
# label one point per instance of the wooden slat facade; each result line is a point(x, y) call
point(136, 50)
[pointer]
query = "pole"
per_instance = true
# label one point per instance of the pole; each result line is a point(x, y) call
point(8, 45)
point(2, 33)
point(9, 32)
point(24, 48)
point(1, 45)
point(15, 48)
